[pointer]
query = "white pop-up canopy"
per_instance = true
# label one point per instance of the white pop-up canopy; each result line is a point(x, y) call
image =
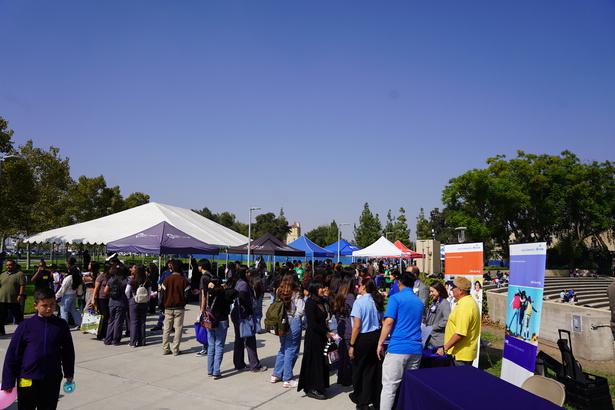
point(382, 248)
point(131, 221)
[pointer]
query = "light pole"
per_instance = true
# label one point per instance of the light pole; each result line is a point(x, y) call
point(252, 208)
point(339, 238)
point(461, 234)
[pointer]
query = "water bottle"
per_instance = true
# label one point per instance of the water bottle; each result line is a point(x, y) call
point(69, 387)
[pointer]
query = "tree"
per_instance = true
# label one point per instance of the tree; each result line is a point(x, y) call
point(269, 223)
point(136, 199)
point(400, 228)
point(389, 227)
point(369, 229)
point(423, 231)
point(319, 235)
point(90, 198)
point(6, 144)
point(17, 193)
point(333, 233)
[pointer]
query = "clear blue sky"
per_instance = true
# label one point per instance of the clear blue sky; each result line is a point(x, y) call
point(314, 106)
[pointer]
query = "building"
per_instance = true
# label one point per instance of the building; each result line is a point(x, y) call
point(295, 232)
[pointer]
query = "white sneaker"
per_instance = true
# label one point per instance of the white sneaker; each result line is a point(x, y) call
point(290, 384)
point(275, 379)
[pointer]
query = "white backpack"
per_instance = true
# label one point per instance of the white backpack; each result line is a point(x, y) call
point(141, 295)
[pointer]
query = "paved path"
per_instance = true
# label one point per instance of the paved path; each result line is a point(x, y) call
point(118, 377)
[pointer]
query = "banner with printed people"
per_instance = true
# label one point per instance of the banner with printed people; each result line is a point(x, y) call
point(525, 289)
point(465, 259)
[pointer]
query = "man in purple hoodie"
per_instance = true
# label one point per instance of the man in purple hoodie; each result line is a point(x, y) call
point(40, 349)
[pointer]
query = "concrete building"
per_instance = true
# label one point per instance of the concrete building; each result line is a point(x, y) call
point(295, 232)
point(431, 262)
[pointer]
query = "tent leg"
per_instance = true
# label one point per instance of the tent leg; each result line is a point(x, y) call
point(28, 255)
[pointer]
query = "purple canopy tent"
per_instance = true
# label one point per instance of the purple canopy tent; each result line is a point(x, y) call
point(161, 239)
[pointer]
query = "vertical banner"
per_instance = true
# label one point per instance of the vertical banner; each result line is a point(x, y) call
point(466, 259)
point(524, 308)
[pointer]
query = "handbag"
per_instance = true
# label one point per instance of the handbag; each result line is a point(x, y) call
point(200, 332)
point(209, 320)
point(332, 352)
point(90, 322)
point(247, 328)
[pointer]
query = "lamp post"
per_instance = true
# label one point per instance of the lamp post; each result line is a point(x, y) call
point(461, 234)
point(252, 208)
point(339, 238)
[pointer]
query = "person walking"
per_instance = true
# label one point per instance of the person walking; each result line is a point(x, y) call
point(118, 305)
point(402, 320)
point(138, 293)
point(205, 276)
point(174, 287)
point(71, 289)
point(437, 314)
point(243, 308)
point(292, 297)
point(463, 325)
point(366, 317)
point(218, 299)
point(12, 293)
point(314, 374)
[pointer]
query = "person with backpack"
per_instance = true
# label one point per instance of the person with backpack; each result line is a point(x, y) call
point(284, 317)
point(138, 292)
point(71, 289)
point(216, 307)
point(118, 305)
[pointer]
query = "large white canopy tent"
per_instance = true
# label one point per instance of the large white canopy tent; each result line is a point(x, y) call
point(121, 224)
point(382, 248)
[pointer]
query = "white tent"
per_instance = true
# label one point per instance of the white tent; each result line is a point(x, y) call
point(119, 225)
point(382, 248)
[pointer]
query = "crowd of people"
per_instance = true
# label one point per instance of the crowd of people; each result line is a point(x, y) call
point(374, 318)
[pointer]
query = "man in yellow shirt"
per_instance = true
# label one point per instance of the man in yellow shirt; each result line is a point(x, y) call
point(463, 326)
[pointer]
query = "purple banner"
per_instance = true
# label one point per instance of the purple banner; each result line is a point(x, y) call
point(527, 270)
point(520, 352)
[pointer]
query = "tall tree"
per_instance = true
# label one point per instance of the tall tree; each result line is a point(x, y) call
point(423, 230)
point(389, 227)
point(401, 229)
point(332, 234)
point(136, 199)
point(269, 223)
point(369, 229)
point(319, 235)
point(6, 144)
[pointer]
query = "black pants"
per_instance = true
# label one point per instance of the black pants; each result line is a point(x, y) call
point(15, 309)
point(138, 314)
point(240, 344)
point(367, 370)
point(42, 395)
point(103, 308)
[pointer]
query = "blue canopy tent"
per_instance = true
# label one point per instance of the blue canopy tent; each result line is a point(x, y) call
point(345, 248)
point(310, 248)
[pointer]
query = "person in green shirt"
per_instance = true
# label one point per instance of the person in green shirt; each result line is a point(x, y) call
point(299, 270)
point(12, 293)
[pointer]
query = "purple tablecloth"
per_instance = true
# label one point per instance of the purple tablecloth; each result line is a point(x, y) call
point(463, 387)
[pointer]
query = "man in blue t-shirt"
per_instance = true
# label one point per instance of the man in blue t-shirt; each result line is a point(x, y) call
point(402, 320)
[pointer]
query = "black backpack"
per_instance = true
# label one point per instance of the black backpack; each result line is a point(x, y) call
point(115, 289)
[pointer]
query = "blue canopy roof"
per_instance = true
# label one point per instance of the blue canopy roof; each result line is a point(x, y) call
point(310, 248)
point(346, 248)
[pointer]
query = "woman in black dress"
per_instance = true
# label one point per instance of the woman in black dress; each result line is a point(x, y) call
point(314, 376)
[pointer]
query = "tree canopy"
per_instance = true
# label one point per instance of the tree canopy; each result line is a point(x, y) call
point(369, 229)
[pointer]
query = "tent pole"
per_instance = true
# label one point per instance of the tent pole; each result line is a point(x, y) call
point(28, 255)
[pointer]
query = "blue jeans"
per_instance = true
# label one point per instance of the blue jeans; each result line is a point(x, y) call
point(215, 339)
point(289, 351)
point(258, 314)
point(67, 305)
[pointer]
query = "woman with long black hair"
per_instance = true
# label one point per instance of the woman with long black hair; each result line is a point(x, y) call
point(437, 314)
point(137, 310)
point(342, 306)
point(314, 375)
point(366, 315)
point(71, 289)
point(244, 309)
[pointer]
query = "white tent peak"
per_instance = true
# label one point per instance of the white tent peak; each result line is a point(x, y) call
point(121, 224)
point(382, 248)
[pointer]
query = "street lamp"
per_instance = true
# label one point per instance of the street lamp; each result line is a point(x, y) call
point(252, 208)
point(339, 238)
point(461, 234)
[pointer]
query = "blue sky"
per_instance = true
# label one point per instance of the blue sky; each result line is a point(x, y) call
point(314, 106)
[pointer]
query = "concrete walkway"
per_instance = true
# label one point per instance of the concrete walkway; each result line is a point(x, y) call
point(118, 377)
